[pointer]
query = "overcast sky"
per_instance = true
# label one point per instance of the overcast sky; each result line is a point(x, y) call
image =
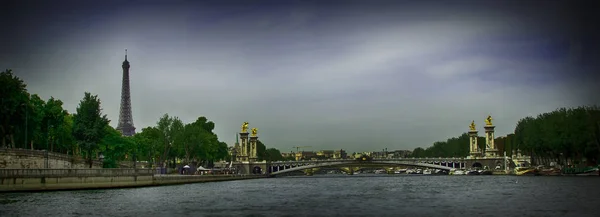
point(354, 75)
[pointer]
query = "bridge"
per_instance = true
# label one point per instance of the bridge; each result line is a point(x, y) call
point(246, 157)
point(351, 165)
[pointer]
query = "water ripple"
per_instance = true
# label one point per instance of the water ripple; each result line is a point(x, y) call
point(327, 196)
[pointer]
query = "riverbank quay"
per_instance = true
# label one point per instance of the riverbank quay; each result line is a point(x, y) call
point(29, 180)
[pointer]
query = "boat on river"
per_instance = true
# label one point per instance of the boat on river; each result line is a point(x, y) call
point(549, 172)
point(457, 172)
point(485, 172)
point(582, 171)
point(523, 171)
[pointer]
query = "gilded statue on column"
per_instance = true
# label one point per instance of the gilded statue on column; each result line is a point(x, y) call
point(488, 120)
point(245, 127)
point(254, 132)
point(472, 126)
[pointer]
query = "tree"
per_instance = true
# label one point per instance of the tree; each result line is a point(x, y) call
point(13, 105)
point(273, 154)
point(89, 125)
point(261, 153)
point(148, 144)
point(64, 135)
point(35, 118)
point(563, 135)
point(169, 127)
point(53, 121)
point(116, 147)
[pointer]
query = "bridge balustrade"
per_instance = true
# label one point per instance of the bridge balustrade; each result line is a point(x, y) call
point(72, 172)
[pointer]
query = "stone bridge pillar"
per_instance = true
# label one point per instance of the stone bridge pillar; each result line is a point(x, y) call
point(252, 148)
point(490, 149)
point(244, 137)
point(473, 146)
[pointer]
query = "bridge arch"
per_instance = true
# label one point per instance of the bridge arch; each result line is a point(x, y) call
point(359, 164)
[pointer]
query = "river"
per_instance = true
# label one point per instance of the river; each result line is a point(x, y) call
point(327, 195)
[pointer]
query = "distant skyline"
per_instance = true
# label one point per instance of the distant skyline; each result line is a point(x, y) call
point(353, 75)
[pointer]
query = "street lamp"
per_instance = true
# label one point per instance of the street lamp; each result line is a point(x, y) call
point(26, 120)
point(134, 158)
point(47, 139)
point(101, 158)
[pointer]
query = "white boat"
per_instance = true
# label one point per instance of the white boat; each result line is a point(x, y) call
point(427, 172)
point(459, 172)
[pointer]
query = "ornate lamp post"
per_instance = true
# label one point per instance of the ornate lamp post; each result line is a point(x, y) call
point(101, 158)
point(47, 139)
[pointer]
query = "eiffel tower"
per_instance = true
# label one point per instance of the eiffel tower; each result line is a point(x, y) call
point(125, 125)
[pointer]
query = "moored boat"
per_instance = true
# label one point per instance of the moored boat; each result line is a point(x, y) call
point(458, 172)
point(521, 171)
point(549, 172)
point(473, 172)
point(485, 172)
point(582, 171)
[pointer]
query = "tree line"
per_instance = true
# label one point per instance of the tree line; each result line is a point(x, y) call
point(566, 135)
point(29, 122)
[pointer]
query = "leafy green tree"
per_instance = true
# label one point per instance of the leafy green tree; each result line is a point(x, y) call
point(261, 153)
point(273, 154)
point(89, 125)
point(149, 144)
point(13, 106)
point(64, 136)
point(35, 118)
point(116, 147)
point(54, 118)
point(170, 128)
point(564, 135)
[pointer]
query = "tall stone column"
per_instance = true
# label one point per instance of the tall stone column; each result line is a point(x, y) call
point(244, 145)
point(252, 147)
point(473, 146)
point(490, 147)
point(237, 149)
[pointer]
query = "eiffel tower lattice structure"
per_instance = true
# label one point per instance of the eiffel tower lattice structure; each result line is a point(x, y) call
point(125, 125)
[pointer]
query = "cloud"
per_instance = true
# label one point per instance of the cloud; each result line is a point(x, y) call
point(357, 77)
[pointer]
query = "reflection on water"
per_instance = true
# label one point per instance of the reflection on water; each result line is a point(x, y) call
point(327, 195)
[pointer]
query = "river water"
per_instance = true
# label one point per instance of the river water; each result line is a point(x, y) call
point(327, 195)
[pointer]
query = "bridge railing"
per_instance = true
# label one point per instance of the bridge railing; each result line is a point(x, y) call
point(32, 173)
point(440, 159)
point(51, 155)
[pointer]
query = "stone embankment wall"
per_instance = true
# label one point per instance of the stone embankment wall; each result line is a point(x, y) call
point(70, 179)
point(36, 159)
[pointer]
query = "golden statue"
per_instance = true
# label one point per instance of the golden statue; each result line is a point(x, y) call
point(488, 120)
point(254, 132)
point(245, 127)
point(472, 126)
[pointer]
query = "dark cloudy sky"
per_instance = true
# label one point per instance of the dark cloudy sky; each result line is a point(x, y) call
point(358, 75)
